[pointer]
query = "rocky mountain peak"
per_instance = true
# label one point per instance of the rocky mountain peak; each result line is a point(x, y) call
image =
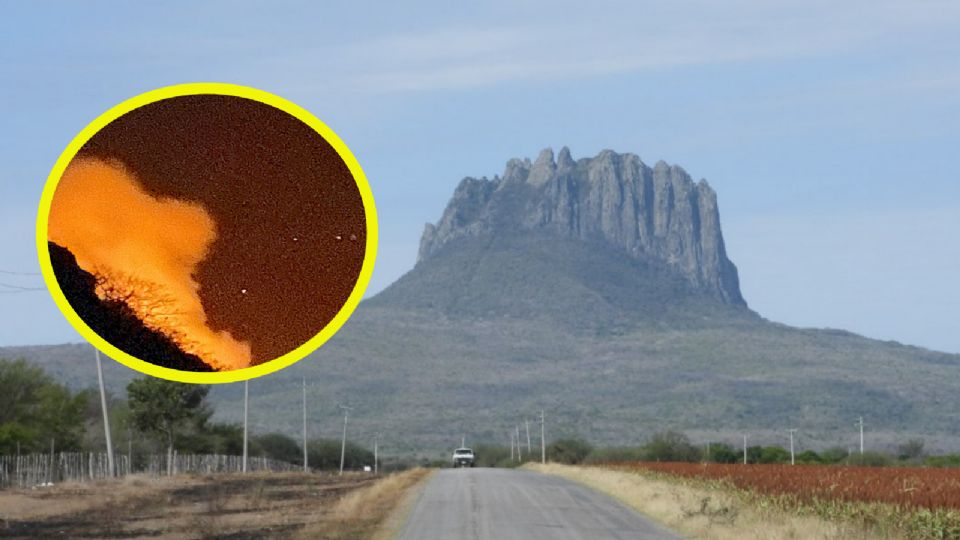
point(564, 161)
point(544, 168)
point(657, 214)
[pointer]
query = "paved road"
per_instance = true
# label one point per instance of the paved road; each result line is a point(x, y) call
point(502, 504)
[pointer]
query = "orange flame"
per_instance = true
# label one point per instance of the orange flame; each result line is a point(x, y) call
point(143, 251)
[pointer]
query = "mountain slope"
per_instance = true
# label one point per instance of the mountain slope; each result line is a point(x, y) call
point(505, 315)
point(563, 281)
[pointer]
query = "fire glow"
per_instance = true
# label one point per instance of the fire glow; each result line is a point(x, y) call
point(143, 251)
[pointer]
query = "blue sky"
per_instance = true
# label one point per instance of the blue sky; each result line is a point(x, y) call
point(830, 130)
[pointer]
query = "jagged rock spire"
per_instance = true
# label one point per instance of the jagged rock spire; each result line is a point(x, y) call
point(658, 213)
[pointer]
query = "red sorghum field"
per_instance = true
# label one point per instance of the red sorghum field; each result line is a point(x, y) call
point(909, 487)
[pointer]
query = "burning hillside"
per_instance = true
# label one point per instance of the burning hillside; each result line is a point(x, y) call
point(143, 252)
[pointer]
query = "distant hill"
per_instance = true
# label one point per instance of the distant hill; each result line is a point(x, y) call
point(598, 290)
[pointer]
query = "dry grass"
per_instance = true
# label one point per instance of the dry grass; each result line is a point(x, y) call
point(371, 512)
point(701, 511)
point(259, 505)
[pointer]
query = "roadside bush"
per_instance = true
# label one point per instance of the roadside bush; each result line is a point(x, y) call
point(490, 455)
point(912, 450)
point(215, 439)
point(568, 451)
point(774, 454)
point(617, 454)
point(324, 454)
point(754, 453)
point(723, 453)
point(808, 457)
point(670, 446)
point(834, 455)
point(280, 447)
point(948, 460)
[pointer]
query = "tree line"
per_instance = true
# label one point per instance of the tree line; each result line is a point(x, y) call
point(39, 415)
point(674, 446)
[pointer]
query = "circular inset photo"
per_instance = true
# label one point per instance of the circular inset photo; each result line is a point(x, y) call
point(207, 233)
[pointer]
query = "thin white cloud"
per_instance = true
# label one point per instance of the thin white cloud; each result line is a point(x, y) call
point(610, 42)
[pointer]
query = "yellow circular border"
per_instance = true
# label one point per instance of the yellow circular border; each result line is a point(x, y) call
point(225, 89)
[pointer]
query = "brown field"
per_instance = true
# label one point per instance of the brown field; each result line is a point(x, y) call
point(913, 487)
point(701, 511)
point(764, 502)
point(260, 505)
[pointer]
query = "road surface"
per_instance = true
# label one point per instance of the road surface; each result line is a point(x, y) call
point(503, 504)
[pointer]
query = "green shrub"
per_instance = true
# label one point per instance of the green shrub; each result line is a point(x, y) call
point(278, 446)
point(670, 446)
point(568, 451)
point(324, 454)
point(948, 460)
point(34, 409)
point(808, 457)
point(834, 455)
point(616, 454)
point(723, 453)
point(774, 454)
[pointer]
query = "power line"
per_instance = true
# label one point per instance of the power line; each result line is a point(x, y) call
point(11, 273)
point(21, 288)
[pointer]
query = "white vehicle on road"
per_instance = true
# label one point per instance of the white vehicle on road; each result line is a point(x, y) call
point(463, 457)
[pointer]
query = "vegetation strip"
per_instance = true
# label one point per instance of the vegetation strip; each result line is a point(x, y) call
point(50, 434)
point(716, 507)
point(367, 512)
point(253, 505)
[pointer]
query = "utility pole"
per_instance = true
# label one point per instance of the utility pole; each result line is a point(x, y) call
point(106, 417)
point(463, 441)
point(343, 441)
point(861, 435)
point(376, 454)
point(543, 441)
point(519, 452)
point(526, 424)
point(306, 467)
point(246, 408)
point(744, 449)
point(511, 446)
point(793, 460)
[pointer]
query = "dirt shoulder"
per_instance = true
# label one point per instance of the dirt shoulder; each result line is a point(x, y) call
point(374, 512)
point(259, 505)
